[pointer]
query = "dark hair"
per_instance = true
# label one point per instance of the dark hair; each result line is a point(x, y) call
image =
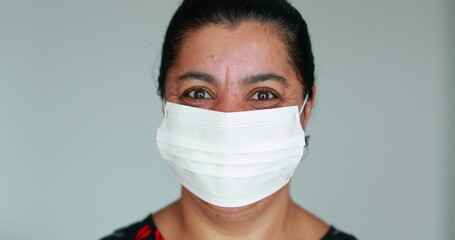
point(194, 14)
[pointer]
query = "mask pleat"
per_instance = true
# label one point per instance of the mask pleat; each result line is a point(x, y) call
point(231, 159)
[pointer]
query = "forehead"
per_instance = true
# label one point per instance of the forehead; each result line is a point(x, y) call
point(246, 49)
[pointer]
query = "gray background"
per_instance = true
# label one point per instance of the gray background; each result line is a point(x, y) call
point(78, 113)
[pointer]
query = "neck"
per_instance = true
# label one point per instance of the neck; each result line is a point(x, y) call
point(260, 220)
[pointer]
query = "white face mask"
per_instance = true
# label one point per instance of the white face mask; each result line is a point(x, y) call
point(231, 159)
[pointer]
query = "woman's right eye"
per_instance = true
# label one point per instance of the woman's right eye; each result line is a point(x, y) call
point(198, 94)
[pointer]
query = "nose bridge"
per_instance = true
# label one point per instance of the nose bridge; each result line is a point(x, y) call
point(230, 101)
point(228, 106)
point(230, 97)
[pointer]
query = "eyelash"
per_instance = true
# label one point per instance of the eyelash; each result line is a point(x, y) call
point(257, 91)
point(187, 93)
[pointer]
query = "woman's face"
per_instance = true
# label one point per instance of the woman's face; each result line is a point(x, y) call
point(231, 69)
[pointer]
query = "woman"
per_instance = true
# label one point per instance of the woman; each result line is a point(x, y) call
point(237, 84)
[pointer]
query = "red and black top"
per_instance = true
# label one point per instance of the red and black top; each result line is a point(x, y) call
point(147, 230)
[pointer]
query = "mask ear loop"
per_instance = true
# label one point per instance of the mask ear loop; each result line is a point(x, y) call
point(304, 103)
point(163, 107)
point(307, 137)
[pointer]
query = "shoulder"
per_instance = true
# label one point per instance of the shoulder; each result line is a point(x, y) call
point(143, 230)
point(310, 226)
point(335, 234)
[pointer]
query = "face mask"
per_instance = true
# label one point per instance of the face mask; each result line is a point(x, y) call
point(231, 159)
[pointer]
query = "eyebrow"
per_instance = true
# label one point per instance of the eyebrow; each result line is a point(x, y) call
point(264, 77)
point(249, 80)
point(199, 76)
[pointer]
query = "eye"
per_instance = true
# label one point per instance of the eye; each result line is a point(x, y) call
point(198, 93)
point(263, 95)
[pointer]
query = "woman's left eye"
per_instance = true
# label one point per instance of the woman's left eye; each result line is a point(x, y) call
point(263, 95)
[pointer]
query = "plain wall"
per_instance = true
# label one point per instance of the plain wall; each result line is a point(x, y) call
point(451, 126)
point(79, 110)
